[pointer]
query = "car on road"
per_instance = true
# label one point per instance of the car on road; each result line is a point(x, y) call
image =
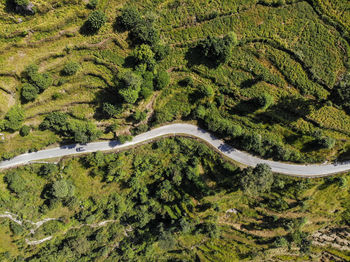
point(80, 149)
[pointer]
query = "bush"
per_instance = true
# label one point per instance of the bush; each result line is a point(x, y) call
point(326, 142)
point(124, 138)
point(144, 34)
point(205, 90)
point(187, 81)
point(161, 51)
point(265, 100)
point(25, 130)
point(129, 18)
point(95, 21)
point(217, 50)
point(62, 189)
point(257, 180)
point(21, 2)
point(29, 92)
point(109, 110)
point(92, 4)
point(15, 182)
point(14, 118)
point(161, 80)
point(70, 68)
point(130, 84)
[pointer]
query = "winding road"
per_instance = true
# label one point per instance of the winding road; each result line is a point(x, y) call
point(315, 170)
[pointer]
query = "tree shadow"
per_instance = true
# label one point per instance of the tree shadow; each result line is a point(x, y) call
point(195, 57)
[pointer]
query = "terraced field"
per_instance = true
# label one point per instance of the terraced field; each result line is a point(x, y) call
point(270, 77)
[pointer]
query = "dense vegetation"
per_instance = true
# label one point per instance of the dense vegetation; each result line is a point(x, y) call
point(174, 199)
point(270, 77)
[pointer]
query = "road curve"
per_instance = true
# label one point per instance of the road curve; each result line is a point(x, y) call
point(184, 129)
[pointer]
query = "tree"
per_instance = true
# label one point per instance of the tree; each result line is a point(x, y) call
point(25, 130)
point(325, 142)
point(70, 68)
point(256, 180)
point(62, 188)
point(130, 84)
point(55, 121)
point(129, 17)
point(29, 92)
point(205, 90)
point(144, 55)
point(95, 21)
point(14, 118)
point(15, 182)
point(161, 51)
point(109, 109)
point(144, 33)
point(265, 100)
point(217, 50)
point(161, 80)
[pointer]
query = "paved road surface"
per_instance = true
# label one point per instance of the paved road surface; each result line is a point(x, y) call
point(185, 129)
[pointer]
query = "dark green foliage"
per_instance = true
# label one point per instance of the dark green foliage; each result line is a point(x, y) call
point(48, 170)
point(342, 93)
point(78, 131)
point(217, 50)
point(92, 4)
point(109, 110)
point(130, 86)
point(24, 131)
point(70, 68)
point(144, 55)
point(144, 33)
point(205, 90)
point(62, 189)
point(265, 100)
point(326, 142)
point(124, 138)
point(15, 182)
point(94, 22)
point(161, 51)
point(16, 229)
point(187, 81)
point(161, 80)
point(13, 119)
point(139, 115)
point(36, 83)
point(129, 18)
point(256, 180)
point(29, 92)
point(55, 121)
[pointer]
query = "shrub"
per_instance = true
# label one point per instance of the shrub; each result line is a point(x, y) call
point(130, 84)
point(109, 109)
point(95, 21)
point(217, 50)
point(62, 189)
point(15, 182)
point(139, 115)
point(144, 34)
point(187, 81)
point(92, 4)
point(25, 130)
point(14, 118)
point(124, 138)
point(144, 55)
point(326, 142)
point(161, 80)
point(205, 90)
point(257, 180)
point(42, 81)
point(129, 18)
point(70, 68)
point(29, 92)
point(161, 51)
point(265, 100)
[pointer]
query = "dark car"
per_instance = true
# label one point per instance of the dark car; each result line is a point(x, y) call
point(81, 149)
